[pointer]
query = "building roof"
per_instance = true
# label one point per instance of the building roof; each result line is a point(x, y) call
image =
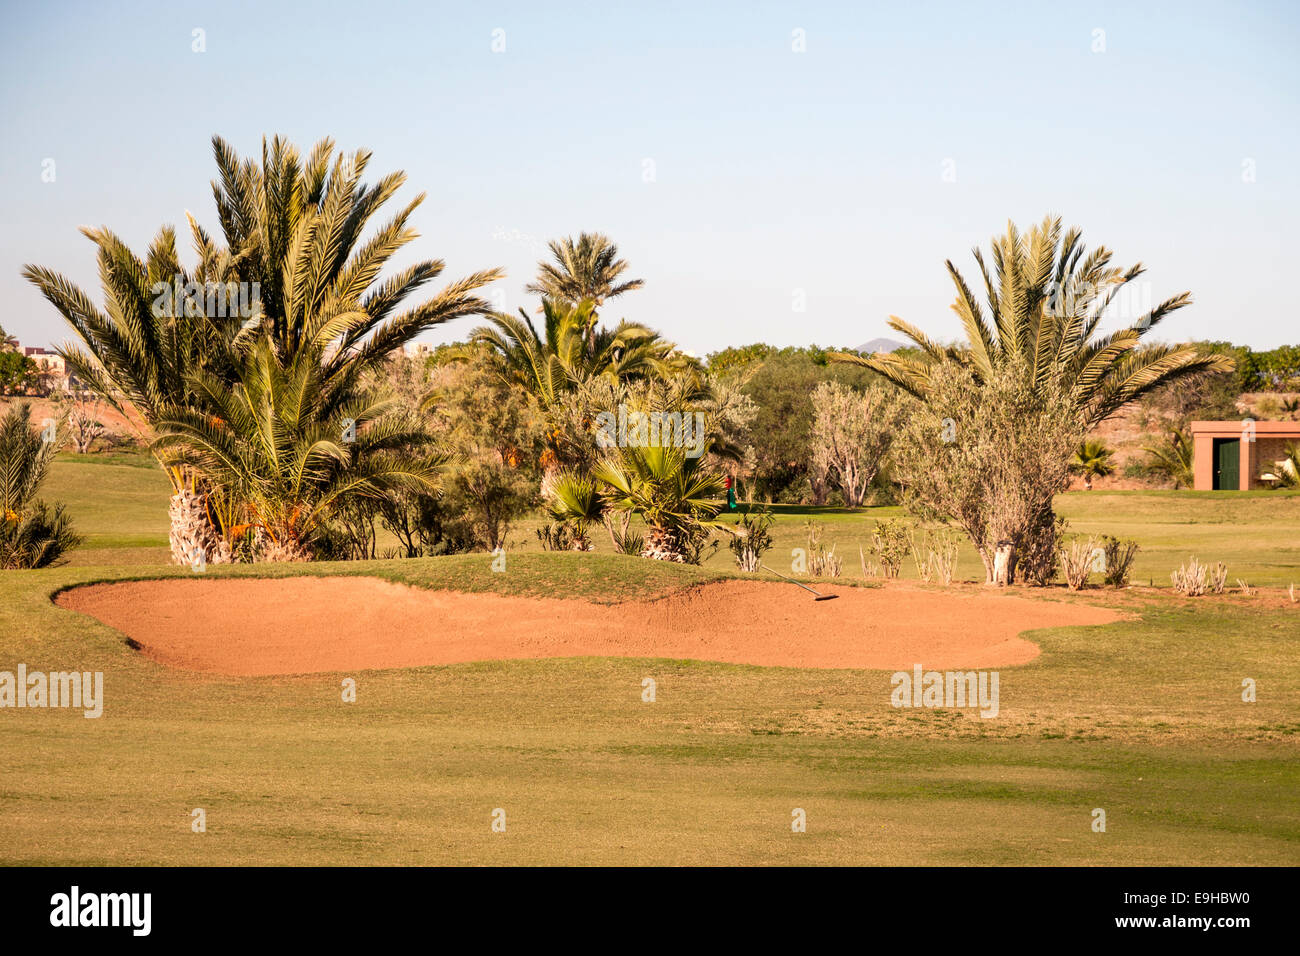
point(1235, 427)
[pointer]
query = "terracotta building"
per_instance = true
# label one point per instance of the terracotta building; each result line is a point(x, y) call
point(1239, 454)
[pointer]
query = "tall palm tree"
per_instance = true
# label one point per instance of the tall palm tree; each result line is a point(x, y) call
point(139, 352)
point(1092, 459)
point(588, 268)
point(293, 230)
point(1046, 297)
point(298, 225)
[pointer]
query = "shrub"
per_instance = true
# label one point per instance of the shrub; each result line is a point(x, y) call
point(556, 536)
point(822, 563)
point(1194, 579)
point(32, 533)
point(419, 521)
point(752, 537)
point(1119, 559)
point(625, 541)
point(1040, 549)
point(987, 457)
point(1077, 562)
point(487, 497)
point(890, 543)
point(935, 553)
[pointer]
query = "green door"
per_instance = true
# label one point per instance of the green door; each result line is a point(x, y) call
point(1227, 464)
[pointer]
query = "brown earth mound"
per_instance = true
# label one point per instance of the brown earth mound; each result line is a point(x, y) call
point(302, 625)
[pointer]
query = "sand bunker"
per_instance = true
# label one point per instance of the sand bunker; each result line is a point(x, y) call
point(301, 625)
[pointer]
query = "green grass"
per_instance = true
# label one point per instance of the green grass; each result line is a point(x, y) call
point(1142, 718)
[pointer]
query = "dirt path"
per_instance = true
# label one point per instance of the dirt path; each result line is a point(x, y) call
point(300, 625)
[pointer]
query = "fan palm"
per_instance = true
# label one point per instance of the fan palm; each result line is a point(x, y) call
point(586, 269)
point(32, 534)
point(1046, 297)
point(1092, 459)
point(576, 498)
point(675, 494)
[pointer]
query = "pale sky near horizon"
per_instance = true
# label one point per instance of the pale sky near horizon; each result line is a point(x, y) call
point(841, 176)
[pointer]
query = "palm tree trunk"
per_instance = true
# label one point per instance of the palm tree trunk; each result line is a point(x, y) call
point(661, 544)
point(193, 539)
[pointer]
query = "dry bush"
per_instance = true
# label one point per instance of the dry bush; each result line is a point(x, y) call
point(1077, 560)
point(1195, 579)
point(935, 554)
point(822, 563)
point(869, 568)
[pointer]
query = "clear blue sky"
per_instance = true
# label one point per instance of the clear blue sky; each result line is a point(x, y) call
point(775, 171)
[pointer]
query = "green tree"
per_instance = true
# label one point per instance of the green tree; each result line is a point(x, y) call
point(781, 433)
point(294, 246)
point(1046, 296)
point(494, 431)
point(18, 373)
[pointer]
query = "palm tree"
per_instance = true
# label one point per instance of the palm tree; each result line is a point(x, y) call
point(140, 351)
point(32, 534)
point(1173, 458)
point(568, 352)
point(1046, 299)
point(576, 498)
point(1092, 459)
point(586, 269)
point(297, 227)
point(1046, 296)
point(675, 494)
point(290, 447)
point(293, 232)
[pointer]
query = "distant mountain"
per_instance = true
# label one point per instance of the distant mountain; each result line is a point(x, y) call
point(880, 345)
